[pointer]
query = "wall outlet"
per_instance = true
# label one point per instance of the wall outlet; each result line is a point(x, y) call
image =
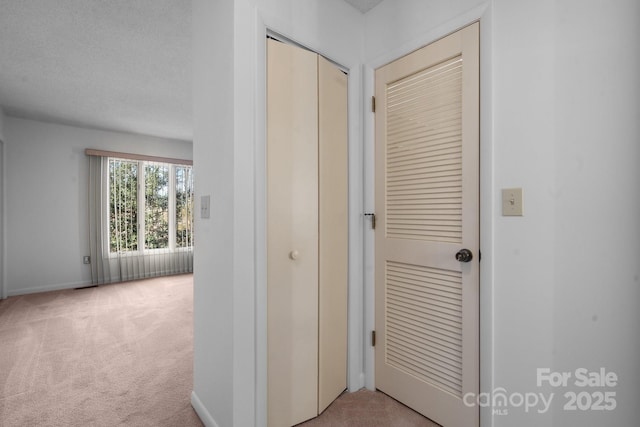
point(86, 259)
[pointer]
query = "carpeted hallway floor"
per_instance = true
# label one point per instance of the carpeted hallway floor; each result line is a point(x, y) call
point(122, 355)
point(367, 408)
point(112, 355)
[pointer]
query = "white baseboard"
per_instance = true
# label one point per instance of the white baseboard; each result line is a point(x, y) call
point(358, 385)
point(202, 412)
point(47, 288)
point(82, 284)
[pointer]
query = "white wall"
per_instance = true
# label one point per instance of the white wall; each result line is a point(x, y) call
point(46, 195)
point(523, 148)
point(566, 129)
point(560, 285)
point(213, 145)
point(597, 193)
point(562, 78)
point(229, 327)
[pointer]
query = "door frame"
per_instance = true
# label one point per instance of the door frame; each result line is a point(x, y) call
point(488, 195)
point(361, 372)
point(3, 221)
point(355, 317)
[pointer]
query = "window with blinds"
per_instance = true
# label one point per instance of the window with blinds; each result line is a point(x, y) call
point(150, 206)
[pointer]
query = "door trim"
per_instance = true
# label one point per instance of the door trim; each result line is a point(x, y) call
point(482, 14)
point(361, 294)
point(3, 220)
point(355, 322)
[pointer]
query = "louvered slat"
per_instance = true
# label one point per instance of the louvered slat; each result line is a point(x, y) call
point(424, 323)
point(424, 155)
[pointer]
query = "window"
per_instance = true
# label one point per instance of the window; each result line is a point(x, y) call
point(184, 206)
point(150, 206)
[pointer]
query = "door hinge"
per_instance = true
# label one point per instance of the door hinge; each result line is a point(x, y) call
point(373, 338)
point(373, 104)
point(373, 219)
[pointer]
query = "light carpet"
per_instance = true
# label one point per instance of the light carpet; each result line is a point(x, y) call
point(367, 408)
point(118, 354)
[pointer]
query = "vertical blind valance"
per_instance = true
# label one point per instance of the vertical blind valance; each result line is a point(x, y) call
point(140, 216)
point(132, 156)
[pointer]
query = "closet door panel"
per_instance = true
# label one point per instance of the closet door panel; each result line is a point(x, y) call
point(333, 237)
point(292, 234)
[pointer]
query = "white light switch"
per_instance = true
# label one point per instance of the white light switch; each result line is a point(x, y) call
point(205, 205)
point(512, 202)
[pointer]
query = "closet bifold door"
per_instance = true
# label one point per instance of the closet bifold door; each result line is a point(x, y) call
point(292, 235)
point(307, 234)
point(333, 232)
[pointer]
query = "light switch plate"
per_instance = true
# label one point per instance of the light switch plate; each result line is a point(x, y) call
point(205, 206)
point(512, 202)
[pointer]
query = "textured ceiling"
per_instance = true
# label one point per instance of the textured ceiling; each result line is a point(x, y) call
point(118, 64)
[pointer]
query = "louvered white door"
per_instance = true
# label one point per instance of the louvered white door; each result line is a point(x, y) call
point(427, 206)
